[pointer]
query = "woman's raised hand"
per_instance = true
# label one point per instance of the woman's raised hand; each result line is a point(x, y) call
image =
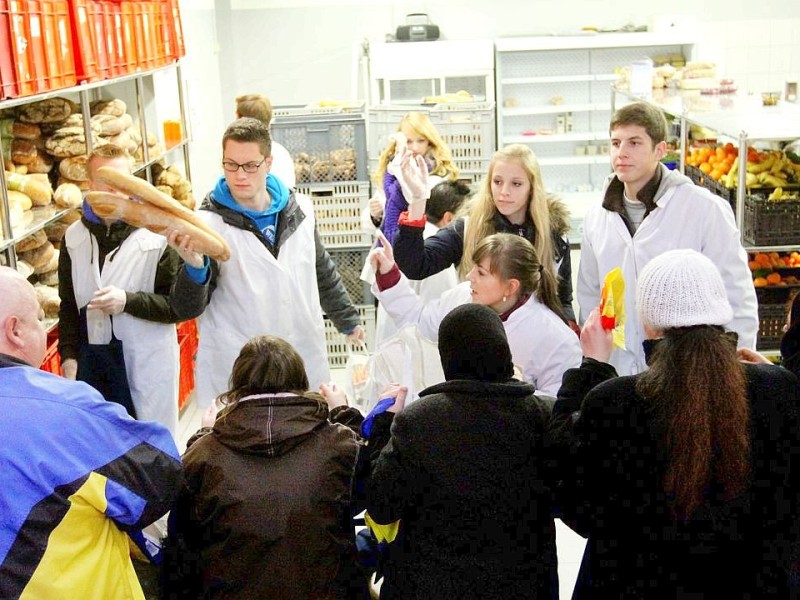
point(414, 184)
point(382, 257)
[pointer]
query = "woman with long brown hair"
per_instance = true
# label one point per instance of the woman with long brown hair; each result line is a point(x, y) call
point(686, 475)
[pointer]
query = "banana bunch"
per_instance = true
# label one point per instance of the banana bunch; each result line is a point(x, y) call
point(780, 194)
point(776, 170)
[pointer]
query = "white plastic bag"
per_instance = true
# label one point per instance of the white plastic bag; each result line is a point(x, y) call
point(406, 358)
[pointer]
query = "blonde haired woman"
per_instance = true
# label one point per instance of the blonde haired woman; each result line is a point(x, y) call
point(416, 137)
point(511, 199)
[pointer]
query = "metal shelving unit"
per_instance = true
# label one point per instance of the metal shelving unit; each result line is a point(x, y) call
point(552, 94)
point(139, 91)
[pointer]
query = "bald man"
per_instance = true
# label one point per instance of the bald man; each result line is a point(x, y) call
point(78, 472)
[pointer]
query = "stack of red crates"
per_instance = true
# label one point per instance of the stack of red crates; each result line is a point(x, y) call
point(52, 44)
point(118, 37)
point(36, 53)
point(187, 343)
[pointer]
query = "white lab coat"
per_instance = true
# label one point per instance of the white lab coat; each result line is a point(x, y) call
point(541, 344)
point(687, 216)
point(150, 349)
point(258, 294)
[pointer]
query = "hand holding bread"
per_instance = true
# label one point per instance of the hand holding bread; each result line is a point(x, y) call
point(157, 212)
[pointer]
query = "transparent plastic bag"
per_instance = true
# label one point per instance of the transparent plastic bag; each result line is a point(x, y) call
point(357, 375)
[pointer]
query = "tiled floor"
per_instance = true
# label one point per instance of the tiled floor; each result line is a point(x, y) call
point(570, 545)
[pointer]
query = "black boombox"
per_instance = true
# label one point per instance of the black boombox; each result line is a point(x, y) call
point(418, 28)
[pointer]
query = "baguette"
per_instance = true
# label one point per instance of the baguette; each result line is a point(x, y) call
point(112, 206)
point(142, 190)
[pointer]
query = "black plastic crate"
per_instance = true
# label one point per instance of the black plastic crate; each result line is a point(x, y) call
point(703, 180)
point(773, 306)
point(771, 222)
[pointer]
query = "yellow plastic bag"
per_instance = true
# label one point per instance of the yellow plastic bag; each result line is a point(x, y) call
point(612, 306)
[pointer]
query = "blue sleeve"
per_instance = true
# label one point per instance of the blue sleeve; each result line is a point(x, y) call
point(199, 275)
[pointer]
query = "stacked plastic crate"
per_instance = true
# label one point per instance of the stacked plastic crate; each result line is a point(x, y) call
point(466, 127)
point(329, 149)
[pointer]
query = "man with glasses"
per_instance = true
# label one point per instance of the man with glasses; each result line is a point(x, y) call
point(279, 278)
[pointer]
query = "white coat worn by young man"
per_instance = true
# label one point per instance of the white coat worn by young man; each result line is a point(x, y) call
point(646, 210)
point(279, 277)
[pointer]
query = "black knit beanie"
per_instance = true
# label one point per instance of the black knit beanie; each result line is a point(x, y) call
point(473, 345)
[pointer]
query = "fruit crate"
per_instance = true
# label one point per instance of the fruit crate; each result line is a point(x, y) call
point(770, 222)
point(327, 144)
point(337, 209)
point(349, 264)
point(703, 180)
point(336, 342)
point(467, 128)
point(773, 306)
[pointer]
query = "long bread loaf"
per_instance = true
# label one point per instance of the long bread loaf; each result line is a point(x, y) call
point(131, 185)
point(112, 206)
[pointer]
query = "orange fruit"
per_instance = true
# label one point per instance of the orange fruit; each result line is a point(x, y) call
point(716, 174)
point(754, 265)
point(774, 278)
point(760, 282)
point(720, 152)
point(762, 259)
point(705, 168)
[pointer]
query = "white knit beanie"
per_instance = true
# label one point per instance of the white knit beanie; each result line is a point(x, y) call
point(681, 288)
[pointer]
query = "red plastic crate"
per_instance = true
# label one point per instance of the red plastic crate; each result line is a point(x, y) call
point(59, 53)
point(126, 19)
point(52, 360)
point(88, 38)
point(164, 29)
point(119, 61)
point(8, 77)
point(187, 343)
point(28, 75)
point(177, 30)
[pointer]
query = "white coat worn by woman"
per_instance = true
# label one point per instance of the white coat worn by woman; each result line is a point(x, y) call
point(150, 349)
point(508, 278)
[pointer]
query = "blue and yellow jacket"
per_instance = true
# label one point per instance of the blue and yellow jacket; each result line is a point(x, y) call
point(78, 473)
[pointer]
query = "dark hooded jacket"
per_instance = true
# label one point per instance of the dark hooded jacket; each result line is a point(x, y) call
point(466, 473)
point(419, 258)
point(265, 512)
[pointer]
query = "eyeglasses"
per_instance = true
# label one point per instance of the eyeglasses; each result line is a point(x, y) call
point(250, 167)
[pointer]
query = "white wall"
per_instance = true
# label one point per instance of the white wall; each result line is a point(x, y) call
point(299, 51)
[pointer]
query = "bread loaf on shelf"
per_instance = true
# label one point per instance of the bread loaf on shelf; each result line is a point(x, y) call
point(75, 168)
point(33, 241)
point(51, 110)
point(39, 193)
point(68, 195)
